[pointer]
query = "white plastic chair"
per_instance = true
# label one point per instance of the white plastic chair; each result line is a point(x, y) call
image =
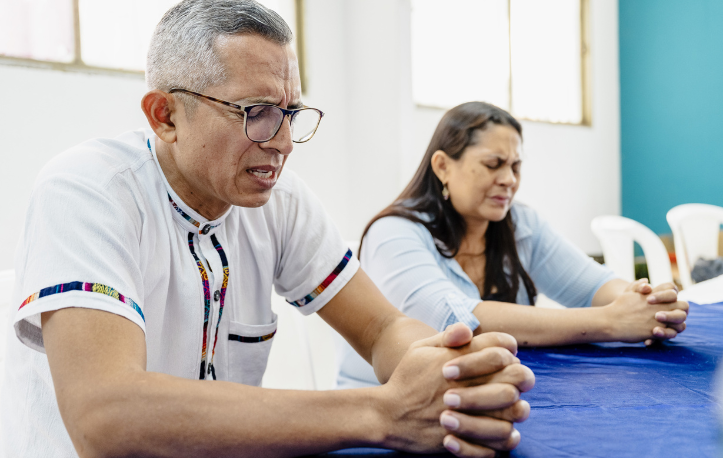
point(617, 234)
point(7, 282)
point(695, 234)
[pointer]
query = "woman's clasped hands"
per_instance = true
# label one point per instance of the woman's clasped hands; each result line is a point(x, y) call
point(644, 313)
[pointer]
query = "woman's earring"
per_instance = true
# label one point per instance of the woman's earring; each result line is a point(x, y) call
point(445, 192)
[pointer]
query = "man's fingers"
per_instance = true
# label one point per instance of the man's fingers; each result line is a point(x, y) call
point(516, 413)
point(515, 374)
point(678, 327)
point(489, 396)
point(456, 335)
point(478, 363)
point(465, 449)
point(671, 317)
point(495, 339)
point(476, 429)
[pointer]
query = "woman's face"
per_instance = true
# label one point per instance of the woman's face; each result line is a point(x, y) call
point(483, 181)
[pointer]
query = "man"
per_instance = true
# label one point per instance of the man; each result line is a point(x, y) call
point(145, 273)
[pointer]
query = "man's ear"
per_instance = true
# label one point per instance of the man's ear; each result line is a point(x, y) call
point(440, 162)
point(159, 106)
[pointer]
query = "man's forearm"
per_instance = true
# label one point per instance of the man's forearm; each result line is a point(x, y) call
point(152, 414)
point(394, 341)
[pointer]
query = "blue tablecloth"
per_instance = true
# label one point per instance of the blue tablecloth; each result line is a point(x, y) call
point(622, 400)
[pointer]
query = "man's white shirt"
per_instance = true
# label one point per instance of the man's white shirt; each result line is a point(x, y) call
point(104, 230)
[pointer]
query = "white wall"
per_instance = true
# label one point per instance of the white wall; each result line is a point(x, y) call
point(42, 113)
point(370, 140)
point(570, 174)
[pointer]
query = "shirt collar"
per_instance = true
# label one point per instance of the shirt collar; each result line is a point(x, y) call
point(184, 215)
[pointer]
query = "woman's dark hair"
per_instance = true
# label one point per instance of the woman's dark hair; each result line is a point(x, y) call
point(423, 195)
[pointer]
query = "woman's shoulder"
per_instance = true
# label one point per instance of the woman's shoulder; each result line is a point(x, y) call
point(395, 225)
point(526, 219)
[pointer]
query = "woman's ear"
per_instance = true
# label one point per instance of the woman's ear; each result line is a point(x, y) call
point(440, 163)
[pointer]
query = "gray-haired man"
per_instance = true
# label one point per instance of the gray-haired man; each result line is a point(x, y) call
point(147, 263)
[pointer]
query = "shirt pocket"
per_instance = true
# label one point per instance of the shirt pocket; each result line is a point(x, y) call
point(248, 351)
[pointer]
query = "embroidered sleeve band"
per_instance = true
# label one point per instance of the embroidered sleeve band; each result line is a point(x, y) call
point(325, 284)
point(81, 286)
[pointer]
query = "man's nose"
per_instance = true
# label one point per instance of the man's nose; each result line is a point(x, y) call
point(282, 140)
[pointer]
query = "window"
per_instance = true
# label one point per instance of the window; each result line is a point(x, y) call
point(92, 34)
point(526, 56)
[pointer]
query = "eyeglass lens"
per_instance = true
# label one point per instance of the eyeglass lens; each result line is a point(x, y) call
point(263, 121)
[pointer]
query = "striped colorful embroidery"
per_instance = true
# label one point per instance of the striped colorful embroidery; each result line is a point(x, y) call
point(251, 339)
point(186, 217)
point(207, 302)
point(325, 284)
point(82, 286)
point(224, 262)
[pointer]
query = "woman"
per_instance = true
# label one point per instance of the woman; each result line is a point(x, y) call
point(454, 247)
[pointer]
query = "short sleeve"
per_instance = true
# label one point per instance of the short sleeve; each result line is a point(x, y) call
point(399, 256)
point(80, 248)
point(559, 269)
point(315, 262)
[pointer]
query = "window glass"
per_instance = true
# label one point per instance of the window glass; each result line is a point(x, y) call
point(460, 52)
point(37, 29)
point(546, 60)
point(117, 34)
point(522, 55)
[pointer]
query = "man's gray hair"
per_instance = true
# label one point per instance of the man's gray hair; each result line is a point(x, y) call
point(182, 51)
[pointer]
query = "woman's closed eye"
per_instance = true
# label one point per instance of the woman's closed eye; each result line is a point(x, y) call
point(494, 164)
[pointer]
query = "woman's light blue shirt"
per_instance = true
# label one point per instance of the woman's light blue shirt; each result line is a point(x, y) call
point(400, 256)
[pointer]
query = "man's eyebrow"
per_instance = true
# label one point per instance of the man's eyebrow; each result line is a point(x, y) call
point(252, 100)
point(268, 100)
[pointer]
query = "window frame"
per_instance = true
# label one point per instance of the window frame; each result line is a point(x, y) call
point(78, 66)
point(585, 71)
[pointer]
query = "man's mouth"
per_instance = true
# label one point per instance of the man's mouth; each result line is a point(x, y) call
point(265, 174)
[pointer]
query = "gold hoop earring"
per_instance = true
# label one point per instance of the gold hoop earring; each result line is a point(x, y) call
point(445, 192)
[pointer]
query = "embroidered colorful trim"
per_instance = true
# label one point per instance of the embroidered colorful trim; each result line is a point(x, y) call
point(186, 217)
point(251, 339)
point(81, 286)
point(224, 263)
point(206, 302)
point(320, 289)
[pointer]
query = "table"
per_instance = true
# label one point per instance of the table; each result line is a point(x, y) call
point(621, 400)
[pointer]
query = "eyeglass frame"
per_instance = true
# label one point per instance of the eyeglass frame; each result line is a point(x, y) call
point(246, 108)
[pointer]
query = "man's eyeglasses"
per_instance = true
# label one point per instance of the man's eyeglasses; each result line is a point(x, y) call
point(262, 121)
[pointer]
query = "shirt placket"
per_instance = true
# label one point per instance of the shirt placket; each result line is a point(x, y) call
point(215, 279)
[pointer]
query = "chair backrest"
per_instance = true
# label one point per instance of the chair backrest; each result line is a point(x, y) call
point(7, 282)
point(695, 234)
point(617, 235)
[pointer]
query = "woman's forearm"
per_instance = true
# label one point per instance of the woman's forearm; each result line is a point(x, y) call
point(608, 292)
point(537, 326)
